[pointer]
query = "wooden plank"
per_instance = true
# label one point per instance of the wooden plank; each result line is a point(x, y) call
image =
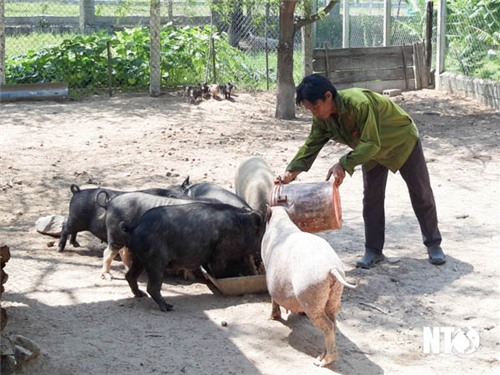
point(416, 67)
point(346, 76)
point(404, 64)
point(360, 63)
point(377, 86)
point(327, 63)
point(360, 51)
point(424, 70)
point(341, 61)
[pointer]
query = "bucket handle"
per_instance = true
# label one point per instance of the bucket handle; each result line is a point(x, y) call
point(282, 199)
point(278, 196)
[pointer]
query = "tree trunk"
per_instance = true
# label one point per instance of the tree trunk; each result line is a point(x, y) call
point(155, 50)
point(285, 108)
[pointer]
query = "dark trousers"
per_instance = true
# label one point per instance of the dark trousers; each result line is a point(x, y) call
point(414, 172)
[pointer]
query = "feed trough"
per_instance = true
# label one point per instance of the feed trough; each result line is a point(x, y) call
point(233, 286)
point(33, 91)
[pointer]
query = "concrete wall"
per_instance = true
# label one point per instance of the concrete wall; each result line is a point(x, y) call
point(484, 90)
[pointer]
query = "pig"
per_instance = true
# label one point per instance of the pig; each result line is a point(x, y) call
point(126, 208)
point(86, 214)
point(303, 275)
point(254, 182)
point(189, 236)
point(228, 88)
point(204, 191)
point(213, 192)
point(205, 90)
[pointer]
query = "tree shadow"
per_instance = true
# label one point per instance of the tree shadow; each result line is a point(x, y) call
point(127, 336)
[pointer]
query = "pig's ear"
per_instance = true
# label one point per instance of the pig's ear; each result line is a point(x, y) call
point(269, 212)
point(256, 218)
point(102, 199)
point(74, 188)
point(185, 184)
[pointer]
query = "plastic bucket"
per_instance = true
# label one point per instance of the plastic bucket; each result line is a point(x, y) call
point(313, 207)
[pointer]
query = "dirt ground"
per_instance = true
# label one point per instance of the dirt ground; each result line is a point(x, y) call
point(86, 325)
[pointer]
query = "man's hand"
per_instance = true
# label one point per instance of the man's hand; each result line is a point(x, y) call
point(338, 172)
point(288, 177)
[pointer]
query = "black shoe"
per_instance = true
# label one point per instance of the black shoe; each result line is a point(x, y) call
point(436, 255)
point(369, 259)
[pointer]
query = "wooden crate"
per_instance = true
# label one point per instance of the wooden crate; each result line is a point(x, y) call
point(374, 68)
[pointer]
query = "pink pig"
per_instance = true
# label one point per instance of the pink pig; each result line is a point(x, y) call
point(303, 274)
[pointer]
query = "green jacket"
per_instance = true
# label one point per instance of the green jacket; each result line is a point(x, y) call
point(376, 128)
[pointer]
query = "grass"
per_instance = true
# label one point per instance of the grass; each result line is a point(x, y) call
point(118, 9)
point(20, 44)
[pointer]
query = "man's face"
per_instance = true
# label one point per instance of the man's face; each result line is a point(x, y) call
point(322, 108)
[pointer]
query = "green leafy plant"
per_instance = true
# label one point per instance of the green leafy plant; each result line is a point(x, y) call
point(473, 29)
point(186, 57)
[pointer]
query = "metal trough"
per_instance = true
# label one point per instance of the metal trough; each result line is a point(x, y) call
point(33, 91)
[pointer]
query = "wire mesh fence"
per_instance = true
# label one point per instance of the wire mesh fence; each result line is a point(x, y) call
point(97, 45)
point(473, 39)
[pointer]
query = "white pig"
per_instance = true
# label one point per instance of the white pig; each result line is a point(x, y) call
point(303, 274)
point(253, 182)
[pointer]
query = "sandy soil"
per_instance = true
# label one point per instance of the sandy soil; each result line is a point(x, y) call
point(86, 325)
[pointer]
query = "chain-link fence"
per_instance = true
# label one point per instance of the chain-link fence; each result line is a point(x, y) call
point(473, 39)
point(366, 25)
point(105, 44)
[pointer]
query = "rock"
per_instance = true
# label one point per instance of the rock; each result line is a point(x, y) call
point(51, 225)
point(15, 351)
point(8, 361)
point(27, 344)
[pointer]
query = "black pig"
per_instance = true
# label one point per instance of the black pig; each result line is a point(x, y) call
point(213, 192)
point(188, 236)
point(86, 214)
point(127, 208)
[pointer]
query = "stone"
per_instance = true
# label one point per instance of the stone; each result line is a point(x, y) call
point(392, 92)
point(51, 225)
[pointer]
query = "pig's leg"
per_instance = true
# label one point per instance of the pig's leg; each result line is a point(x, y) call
point(327, 326)
point(276, 311)
point(132, 275)
point(64, 238)
point(107, 258)
point(62, 242)
point(333, 303)
point(126, 258)
point(73, 241)
point(155, 280)
point(155, 265)
point(250, 259)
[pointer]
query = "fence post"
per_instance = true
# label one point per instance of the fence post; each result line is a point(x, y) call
point(441, 41)
point(87, 14)
point(327, 60)
point(307, 42)
point(2, 42)
point(387, 23)
point(345, 25)
point(154, 58)
point(170, 11)
point(428, 37)
point(267, 49)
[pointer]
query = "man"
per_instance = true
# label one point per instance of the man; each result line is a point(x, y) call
point(383, 137)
